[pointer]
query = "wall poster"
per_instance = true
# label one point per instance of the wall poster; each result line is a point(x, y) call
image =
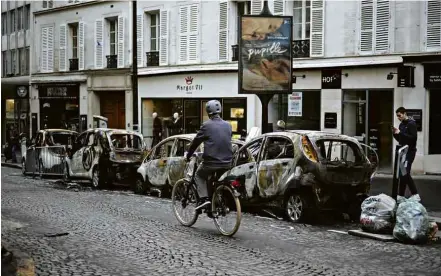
point(265, 54)
point(295, 104)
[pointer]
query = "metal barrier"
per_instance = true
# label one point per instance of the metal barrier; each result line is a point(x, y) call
point(399, 168)
point(49, 160)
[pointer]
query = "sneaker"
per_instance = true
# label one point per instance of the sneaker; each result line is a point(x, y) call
point(203, 203)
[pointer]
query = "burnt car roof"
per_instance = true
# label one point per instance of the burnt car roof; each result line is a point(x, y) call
point(313, 134)
point(58, 130)
point(115, 131)
point(192, 135)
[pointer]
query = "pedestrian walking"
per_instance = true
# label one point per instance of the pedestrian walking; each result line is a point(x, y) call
point(406, 134)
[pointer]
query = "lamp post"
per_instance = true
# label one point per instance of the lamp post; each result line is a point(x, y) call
point(134, 66)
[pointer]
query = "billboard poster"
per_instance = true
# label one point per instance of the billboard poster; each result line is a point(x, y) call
point(295, 107)
point(265, 54)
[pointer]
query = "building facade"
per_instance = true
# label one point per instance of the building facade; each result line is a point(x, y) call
point(16, 39)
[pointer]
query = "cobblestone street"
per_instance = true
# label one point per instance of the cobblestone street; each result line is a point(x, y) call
point(119, 233)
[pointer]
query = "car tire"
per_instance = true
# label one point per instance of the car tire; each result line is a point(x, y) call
point(296, 206)
point(140, 186)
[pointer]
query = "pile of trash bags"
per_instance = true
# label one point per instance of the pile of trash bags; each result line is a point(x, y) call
point(406, 219)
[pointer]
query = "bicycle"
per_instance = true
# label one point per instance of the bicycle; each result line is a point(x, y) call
point(225, 199)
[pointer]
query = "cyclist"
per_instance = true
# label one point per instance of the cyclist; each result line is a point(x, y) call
point(216, 136)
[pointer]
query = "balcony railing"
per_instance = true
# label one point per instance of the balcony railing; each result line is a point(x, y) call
point(73, 64)
point(300, 48)
point(112, 61)
point(235, 50)
point(152, 58)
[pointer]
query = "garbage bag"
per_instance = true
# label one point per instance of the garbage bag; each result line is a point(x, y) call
point(377, 214)
point(412, 221)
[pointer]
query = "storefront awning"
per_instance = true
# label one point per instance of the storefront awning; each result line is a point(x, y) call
point(346, 62)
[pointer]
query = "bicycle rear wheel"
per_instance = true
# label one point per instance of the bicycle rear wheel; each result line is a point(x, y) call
point(184, 202)
point(224, 205)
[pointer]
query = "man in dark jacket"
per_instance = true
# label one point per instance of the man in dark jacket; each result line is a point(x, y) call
point(406, 134)
point(216, 136)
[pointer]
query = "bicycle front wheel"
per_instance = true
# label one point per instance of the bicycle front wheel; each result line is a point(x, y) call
point(184, 202)
point(225, 208)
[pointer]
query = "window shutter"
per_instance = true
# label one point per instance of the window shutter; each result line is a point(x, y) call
point(382, 25)
point(81, 38)
point(367, 26)
point(256, 7)
point(433, 25)
point(63, 46)
point(279, 7)
point(193, 36)
point(183, 33)
point(317, 26)
point(163, 43)
point(44, 49)
point(99, 47)
point(140, 39)
point(223, 30)
point(120, 42)
point(50, 49)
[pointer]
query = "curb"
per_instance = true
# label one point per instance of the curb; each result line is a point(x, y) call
point(11, 165)
point(22, 263)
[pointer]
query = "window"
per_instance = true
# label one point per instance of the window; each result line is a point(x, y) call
point(164, 150)
point(249, 153)
point(81, 140)
point(22, 65)
point(12, 21)
point(20, 19)
point(339, 151)
point(27, 60)
point(278, 148)
point(74, 33)
point(243, 8)
point(302, 20)
point(14, 61)
point(19, 65)
point(113, 32)
point(182, 147)
point(27, 17)
point(48, 4)
point(90, 139)
point(4, 64)
point(154, 32)
point(4, 23)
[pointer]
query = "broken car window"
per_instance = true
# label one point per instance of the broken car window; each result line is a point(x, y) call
point(123, 140)
point(278, 148)
point(339, 151)
point(182, 147)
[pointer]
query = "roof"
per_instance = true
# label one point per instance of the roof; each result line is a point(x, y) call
point(312, 134)
point(58, 130)
point(115, 131)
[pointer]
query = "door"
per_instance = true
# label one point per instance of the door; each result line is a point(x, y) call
point(354, 115)
point(76, 159)
point(245, 166)
point(113, 107)
point(273, 170)
point(158, 164)
point(177, 162)
point(434, 122)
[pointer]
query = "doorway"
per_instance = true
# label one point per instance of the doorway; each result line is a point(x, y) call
point(113, 107)
point(367, 116)
point(434, 121)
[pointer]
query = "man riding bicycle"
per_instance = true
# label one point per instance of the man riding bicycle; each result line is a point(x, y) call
point(216, 136)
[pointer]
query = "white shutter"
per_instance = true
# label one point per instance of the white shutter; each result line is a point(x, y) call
point(120, 42)
point(99, 44)
point(279, 7)
point(194, 43)
point(317, 27)
point(183, 33)
point(63, 47)
point(256, 7)
point(433, 25)
point(382, 19)
point(367, 26)
point(44, 50)
point(164, 35)
point(81, 42)
point(223, 30)
point(140, 39)
point(50, 49)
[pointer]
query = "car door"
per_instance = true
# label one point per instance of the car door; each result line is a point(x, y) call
point(245, 165)
point(276, 162)
point(157, 167)
point(176, 162)
point(76, 163)
point(32, 155)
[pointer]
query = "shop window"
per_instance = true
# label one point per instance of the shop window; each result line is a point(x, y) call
point(434, 122)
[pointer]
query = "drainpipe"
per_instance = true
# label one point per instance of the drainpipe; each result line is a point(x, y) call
point(134, 66)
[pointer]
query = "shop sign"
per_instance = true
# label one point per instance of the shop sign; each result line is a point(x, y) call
point(331, 78)
point(58, 92)
point(432, 76)
point(189, 86)
point(265, 56)
point(405, 76)
point(295, 104)
point(330, 120)
point(22, 91)
point(417, 115)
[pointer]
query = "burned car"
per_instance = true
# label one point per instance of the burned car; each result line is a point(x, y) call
point(105, 156)
point(46, 152)
point(165, 164)
point(300, 172)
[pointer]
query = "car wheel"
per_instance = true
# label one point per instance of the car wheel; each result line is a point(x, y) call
point(295, 207)
point(23, 166)
point(140, 186)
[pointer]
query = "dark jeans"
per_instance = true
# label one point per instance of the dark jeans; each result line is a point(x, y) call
point(407, 179)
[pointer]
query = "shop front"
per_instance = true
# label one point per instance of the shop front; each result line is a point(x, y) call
point(432, 82)
point(175, 104)
point(15, 111)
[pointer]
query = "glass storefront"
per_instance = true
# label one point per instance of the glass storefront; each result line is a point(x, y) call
point(191, 114)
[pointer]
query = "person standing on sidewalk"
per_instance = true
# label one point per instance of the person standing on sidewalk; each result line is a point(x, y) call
point(406, 134)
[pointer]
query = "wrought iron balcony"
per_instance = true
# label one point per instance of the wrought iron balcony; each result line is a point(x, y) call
point(152, 58)
point(300, 48)
point(112, 61)
point(73, 64)
point(235, 50)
